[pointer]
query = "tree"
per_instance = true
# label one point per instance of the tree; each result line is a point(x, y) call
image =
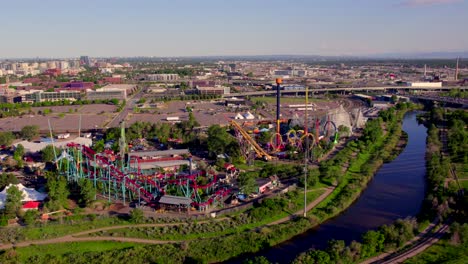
point(19, 153)
point(99, 146)
point(6, 179)
point(218, 140)
point(30, 217)
point(247, 183)
point(114, 101)
point(372, 242)
point(13, 201)
point(49, 152)
point(6, 138)
point(29, 132)
point(344, 131)
point(87, 191)
point(137, 216)
point(265, 137)
point(57, 188)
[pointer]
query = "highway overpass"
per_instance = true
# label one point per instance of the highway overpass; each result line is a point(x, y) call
point(345, 89)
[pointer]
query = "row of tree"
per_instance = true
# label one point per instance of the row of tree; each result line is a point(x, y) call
point(27, 132)
point(373, 242)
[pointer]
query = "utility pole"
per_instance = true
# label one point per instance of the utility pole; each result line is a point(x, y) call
point(306, 152)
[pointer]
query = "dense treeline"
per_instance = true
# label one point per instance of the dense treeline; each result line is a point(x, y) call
point(373, 242)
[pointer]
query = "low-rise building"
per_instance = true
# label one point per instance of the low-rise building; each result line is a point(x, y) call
point(106, 94)
point(162, 77)
point(217, 90)
point(41, 96)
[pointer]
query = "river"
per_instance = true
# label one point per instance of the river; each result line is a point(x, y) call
point(396, 191)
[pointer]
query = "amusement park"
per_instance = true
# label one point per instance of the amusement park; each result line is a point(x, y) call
point(172, 179)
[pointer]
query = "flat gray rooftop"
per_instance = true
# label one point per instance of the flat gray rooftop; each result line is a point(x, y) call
point(159, 153)
point(175, 200)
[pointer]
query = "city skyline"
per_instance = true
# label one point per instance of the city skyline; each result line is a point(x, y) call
point(242, 28)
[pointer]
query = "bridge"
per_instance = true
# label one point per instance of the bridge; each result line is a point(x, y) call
point(343, 89)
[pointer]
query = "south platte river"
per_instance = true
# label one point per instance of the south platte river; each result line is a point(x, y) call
point(396, 191)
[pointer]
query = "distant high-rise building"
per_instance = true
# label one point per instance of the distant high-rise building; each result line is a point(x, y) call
point(85, 60)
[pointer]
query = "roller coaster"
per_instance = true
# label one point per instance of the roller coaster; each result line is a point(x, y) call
point(299, 139)
point(121, 180)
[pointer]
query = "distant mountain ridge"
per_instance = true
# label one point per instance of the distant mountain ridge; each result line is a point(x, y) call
point(422, 55)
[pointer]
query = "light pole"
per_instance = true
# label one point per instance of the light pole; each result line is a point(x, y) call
point(306, 152)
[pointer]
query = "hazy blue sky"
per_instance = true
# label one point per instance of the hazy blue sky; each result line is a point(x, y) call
point(53, 28)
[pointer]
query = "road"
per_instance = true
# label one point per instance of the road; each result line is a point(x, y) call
point(131, 103)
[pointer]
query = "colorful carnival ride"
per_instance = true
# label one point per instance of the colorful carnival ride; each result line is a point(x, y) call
point(120, 177)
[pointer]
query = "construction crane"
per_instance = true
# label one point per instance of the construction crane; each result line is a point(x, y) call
point(258, 150)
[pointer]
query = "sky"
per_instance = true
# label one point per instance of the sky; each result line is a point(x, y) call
point(167, 28)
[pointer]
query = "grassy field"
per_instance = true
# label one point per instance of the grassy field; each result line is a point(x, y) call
point(57, 230)
point(286, 100)
point(74, 247)
point(464, 184)
point(461, 170)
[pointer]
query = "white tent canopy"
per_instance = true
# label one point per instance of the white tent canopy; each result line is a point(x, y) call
point(239, 116)
point(248, 115)
point(29, 194)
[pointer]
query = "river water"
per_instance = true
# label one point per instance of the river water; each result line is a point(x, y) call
point(396, 191)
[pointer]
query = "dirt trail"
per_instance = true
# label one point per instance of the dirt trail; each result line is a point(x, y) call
point(309, 207)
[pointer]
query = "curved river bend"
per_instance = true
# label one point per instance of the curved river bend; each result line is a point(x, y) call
point(396, 191)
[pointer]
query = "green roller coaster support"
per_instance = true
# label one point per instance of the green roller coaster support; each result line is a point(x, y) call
point(335, 141)
point(123, 191)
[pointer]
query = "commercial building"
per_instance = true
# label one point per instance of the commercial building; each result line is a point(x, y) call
point(217, 90)
point(129, 88)
point(106, 94)
point(85, 60)
point(162, 77)
point(41, 96)
point(202, 83)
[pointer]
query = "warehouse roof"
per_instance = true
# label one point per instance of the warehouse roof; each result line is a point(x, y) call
point(175, 200)
point(159, 153)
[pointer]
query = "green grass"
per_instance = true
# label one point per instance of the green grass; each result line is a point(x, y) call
point(57, 230)
point(442, 252)
point(461, 170)
point(177, 234)
point(73, 247)
point(464, 184)
point(257, 165)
